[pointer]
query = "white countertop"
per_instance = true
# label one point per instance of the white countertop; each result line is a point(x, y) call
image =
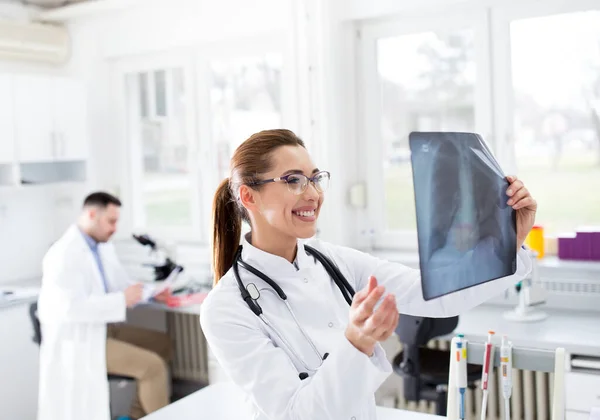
point(11, 295)
point(218, 402)
point(577, 332)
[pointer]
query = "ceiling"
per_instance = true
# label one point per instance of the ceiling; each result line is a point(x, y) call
point(47, 4)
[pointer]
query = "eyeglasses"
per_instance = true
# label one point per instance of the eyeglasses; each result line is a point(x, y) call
point(297, 183)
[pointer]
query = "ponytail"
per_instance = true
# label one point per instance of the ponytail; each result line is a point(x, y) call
point(227, 229)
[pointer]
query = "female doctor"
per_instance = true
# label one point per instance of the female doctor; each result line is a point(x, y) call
point(280, 320)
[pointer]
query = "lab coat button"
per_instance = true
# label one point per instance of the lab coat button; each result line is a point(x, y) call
point(330, 324)
point(305, 280)
point(353, 418)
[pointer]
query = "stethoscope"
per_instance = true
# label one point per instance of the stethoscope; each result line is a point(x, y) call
point(250, 294)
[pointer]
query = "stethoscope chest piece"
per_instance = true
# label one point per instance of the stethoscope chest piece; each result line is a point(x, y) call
point(253, 291)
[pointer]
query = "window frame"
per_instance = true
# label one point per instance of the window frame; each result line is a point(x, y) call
point(234, 49)
point(474, 17)
point(133, 171)
point(194, 62)
point(501, 17)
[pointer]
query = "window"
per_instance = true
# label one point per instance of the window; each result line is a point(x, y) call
point(427, 83)
point(185, 113)
point(417, 77)
point(524, 76)
point(245, 97)
point(556, 96)
point(159, 128)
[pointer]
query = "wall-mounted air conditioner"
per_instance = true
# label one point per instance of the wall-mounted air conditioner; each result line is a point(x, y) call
point(34, 42)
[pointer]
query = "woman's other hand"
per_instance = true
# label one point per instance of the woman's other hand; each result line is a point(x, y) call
point(368, 326)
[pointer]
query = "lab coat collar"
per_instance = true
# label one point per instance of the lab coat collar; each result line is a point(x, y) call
point(92, 243)
point(270, 263)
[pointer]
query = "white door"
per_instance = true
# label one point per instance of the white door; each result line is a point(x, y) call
point(70, 119)
point(36, 139)
point(7, 133)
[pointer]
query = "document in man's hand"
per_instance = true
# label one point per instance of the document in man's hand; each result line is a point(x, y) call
point(156, 288)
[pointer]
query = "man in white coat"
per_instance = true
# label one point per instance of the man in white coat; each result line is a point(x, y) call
point(85, 292)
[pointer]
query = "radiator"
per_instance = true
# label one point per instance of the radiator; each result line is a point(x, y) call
point(530, 400)
point(190, 361)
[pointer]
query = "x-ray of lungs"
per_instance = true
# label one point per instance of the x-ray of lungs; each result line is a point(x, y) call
point(466, 231)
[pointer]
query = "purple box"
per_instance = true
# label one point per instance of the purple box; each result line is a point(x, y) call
point(588, 238)
point(583, 245)
point(566, 245)
point(595, 251)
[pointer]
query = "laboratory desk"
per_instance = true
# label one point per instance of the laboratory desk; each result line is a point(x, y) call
point(577, 332)
point(189, 309)
point(223, 401)
point(18, 352)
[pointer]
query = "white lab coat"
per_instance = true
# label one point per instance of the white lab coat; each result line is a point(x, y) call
point(74, 309)
point(344, 386)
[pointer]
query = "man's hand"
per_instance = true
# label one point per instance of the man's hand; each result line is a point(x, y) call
point(163, 296)
point(133, 294)
point(366, 327)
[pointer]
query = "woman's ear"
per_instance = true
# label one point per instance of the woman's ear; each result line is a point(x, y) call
point(247, 197)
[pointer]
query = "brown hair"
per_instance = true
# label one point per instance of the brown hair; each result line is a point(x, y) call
point(251, 159)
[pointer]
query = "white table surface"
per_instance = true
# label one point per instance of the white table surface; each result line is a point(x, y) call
point(189, 309)
point(218, 402)
point(576, 332)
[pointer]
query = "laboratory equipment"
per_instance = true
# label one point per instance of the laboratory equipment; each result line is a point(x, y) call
point(161, 260)
point(461, 374)
point(535, 240)
point(540, 360)
point(506, 372)
point(488, 357)
point(530, 295)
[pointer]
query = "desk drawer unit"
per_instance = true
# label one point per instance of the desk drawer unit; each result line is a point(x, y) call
point(583, 391)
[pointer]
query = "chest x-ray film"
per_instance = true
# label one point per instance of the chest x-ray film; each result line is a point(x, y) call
point(466, 231)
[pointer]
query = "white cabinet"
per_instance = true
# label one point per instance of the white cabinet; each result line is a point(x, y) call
point(34, 123)
point(20, 364)
point(70, 120)
point(7, 133)
point(50, 119)
point(583, 391)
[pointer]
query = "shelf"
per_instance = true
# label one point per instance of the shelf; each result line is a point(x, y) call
point(555, 262)
point(40, 173)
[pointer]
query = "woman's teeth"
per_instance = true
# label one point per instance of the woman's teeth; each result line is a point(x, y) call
point(309, 213)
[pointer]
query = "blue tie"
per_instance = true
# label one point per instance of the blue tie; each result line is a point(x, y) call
point(94, 249)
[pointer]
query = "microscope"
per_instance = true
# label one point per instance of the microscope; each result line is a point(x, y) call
point(530, 295)
point(163, 265)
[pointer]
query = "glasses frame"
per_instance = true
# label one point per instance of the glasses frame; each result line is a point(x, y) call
point(285, 179)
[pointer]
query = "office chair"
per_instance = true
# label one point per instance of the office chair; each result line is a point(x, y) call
point(113, 379)
point(425, 371)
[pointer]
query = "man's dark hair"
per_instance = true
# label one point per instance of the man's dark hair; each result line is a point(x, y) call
point(101, 199)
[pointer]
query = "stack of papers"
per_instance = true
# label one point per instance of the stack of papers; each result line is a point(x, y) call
point(153, 289)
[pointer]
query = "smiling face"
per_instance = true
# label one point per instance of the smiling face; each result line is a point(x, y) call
point(276, 211)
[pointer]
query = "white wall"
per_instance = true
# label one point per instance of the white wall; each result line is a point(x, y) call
point(157, 27)
point(28, 215)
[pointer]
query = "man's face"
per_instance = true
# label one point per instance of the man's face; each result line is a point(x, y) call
point(104, 222)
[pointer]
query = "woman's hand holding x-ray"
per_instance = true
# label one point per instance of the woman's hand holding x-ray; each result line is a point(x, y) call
point(368, 326)
point(521, 200)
